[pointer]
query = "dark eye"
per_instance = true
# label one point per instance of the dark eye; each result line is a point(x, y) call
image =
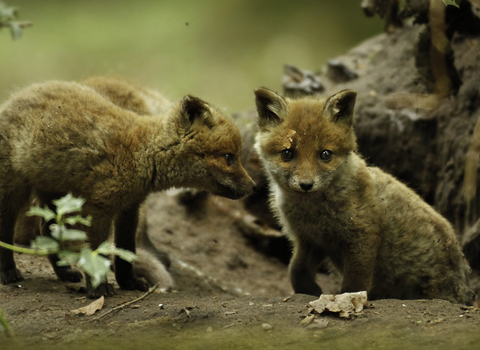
point(326, 155)
point(229, 158)
point(287, 155)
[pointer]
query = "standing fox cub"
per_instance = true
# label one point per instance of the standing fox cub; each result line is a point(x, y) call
point(61, 137)
point(152, 263)
point(380, 235)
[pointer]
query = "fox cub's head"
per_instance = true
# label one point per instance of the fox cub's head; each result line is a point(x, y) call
point(304, 143)
point(214, 146)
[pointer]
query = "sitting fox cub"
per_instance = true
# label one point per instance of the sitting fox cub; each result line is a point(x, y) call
point(61, 137)
point(380, 235)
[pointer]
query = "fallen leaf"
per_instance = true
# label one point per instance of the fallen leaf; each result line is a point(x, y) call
point(287, 143)
point(345, 304)
point(90, 309)
point(307, 320)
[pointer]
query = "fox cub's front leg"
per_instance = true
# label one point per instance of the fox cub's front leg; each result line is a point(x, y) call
point(303, 268)
point(125, 229)
point(359, 268)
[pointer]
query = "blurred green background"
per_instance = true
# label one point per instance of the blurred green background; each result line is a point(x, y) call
point(217, 50)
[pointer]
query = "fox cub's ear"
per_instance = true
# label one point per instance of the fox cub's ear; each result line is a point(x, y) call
point(339, 107)
point(194, 109)
point(271, 107)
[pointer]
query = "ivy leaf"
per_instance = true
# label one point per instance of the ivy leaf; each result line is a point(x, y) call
point(77, 219)
point(455, 3)
point(45, 213)
point(15, 30)
point(68, 204)
point(67, 258)
point(45, 244)
point(61, 233)
point(70, 234)
point(95, 265)
point(108, 248)
point(7, 12)
point(126, 254)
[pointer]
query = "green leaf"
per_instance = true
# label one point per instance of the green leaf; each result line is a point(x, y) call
point(68, 204)
point(97, 266)
point(7, 12)
point(15, 30)
point(45, 243)
point(77, 219)
point(61, 233)
point(126, 254)
point(67, 257)
point(57, 232)
point(455, 3)
point(4, 326)
point(108, 248)
point(70, 234)
point(45, 213)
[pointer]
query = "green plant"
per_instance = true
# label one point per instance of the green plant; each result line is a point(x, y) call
point(4, 327)
point(8, 14)
point(69, 243)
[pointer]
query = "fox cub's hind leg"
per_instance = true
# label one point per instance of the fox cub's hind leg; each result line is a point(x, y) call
point(125, 229)
point(10, 205)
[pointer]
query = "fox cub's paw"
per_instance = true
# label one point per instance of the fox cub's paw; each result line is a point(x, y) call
point(104, 289)
point(68, 274)
point(10, 276)
point(134, 283)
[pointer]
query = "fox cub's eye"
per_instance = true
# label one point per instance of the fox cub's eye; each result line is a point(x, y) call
point(326, 155)
point(229, 158)
point(287, 155)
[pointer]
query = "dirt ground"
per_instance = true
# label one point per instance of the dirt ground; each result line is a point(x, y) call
point(227, 295)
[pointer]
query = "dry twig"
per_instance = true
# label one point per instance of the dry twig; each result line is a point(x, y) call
point(150, 291)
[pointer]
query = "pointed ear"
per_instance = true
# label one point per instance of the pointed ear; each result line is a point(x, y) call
point(194, 109)
point(340, 107)
point(271, 107)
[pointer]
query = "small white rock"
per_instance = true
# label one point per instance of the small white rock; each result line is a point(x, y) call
point(267, 327)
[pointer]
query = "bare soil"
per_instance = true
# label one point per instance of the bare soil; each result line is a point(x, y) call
point(227, 295)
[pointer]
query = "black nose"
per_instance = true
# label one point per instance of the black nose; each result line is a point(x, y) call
point(306, 186)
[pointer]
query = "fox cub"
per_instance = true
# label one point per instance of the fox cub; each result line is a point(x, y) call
point(152, 263)
point(61, 137)
point(379, 234)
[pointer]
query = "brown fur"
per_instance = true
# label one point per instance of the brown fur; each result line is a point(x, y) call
point(143, 101)
point(61, 137)
point(128, 95)
point(380, 235)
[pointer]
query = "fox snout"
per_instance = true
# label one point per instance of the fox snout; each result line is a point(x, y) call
point(306, 185)
point(303, 184)
point(236, 188)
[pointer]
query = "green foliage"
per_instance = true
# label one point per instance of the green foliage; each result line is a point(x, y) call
point(97, 266)
point(8, 14)
point(455, 3)
point(64, 239)
point(4, 327)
